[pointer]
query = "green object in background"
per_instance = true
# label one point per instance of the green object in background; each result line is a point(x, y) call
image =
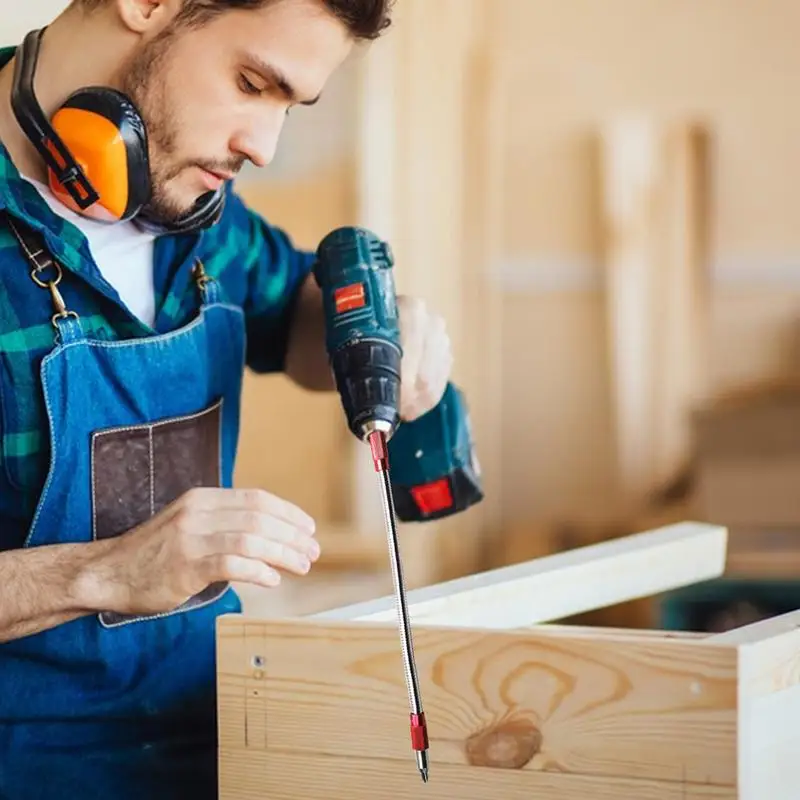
point(722, 604)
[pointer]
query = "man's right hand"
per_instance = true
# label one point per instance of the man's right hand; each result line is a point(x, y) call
point(206, 536)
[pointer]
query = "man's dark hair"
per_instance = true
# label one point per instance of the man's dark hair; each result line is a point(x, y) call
point(365, 19)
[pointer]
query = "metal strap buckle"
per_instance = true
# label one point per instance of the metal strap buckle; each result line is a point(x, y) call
point(61, 311)
point(200, 276)
point(39, 266)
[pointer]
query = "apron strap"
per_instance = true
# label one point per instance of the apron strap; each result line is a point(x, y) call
point(46, 273)
point(209, 290)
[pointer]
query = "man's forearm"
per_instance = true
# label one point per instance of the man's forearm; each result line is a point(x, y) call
point(42, 587)
point(307, 359)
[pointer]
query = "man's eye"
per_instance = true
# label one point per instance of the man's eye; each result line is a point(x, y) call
point(247, 86)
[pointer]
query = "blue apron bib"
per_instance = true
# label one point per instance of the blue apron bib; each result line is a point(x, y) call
point(108, 706)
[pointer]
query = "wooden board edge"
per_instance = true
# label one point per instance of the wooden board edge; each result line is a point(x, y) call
point(252, 774)
point(563, 584)
point(229, 626)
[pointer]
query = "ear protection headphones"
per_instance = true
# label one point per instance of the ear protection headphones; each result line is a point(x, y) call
point(96, 151)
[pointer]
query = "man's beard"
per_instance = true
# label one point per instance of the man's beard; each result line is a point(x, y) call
point(140, 81)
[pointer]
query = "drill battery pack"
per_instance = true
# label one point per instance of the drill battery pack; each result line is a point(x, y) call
point(432, 462)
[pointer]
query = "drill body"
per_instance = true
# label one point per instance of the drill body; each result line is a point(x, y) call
point(434, 470)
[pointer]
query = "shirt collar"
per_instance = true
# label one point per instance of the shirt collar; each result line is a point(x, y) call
point(12, 196)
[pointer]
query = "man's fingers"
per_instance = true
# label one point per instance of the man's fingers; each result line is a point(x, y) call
point(228, 567)
point(434, 372)
point(412, 330)
point(200, 527)
point(216, 499)
point(248, 545)
point(257, 500)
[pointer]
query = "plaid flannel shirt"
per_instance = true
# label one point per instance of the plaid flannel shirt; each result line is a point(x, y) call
point(255, 264)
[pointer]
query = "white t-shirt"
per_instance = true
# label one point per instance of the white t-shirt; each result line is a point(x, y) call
point(124, 255)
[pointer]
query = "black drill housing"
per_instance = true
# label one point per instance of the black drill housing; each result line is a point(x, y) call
point(367, 377)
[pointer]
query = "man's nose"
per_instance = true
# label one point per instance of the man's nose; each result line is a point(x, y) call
point(259, 142)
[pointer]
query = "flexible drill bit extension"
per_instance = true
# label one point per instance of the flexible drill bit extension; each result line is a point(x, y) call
point(434, 472)
point(419, 728)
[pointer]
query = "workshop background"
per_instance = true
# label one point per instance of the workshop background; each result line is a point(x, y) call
point(602, 200)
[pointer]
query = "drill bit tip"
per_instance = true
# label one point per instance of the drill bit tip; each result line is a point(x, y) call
point(422, 765)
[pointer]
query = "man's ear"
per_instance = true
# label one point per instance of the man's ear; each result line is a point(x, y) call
point(147, 16)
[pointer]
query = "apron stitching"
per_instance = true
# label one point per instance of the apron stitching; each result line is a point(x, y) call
point(152, 473)
point(163, 338)
point(220, 446)
point(92, 479)
point(165, 614)
point(159, 423)
point(52, 470)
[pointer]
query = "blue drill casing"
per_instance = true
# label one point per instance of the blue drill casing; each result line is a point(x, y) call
point(432, 463)
point(434, 468)
point(354, 271)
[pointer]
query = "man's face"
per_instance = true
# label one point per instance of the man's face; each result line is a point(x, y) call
point(216, 96)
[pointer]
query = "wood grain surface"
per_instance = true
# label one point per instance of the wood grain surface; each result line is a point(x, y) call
point(631, 706)
point(250, 775)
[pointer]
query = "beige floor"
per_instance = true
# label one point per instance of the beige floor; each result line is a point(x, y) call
point(300, 596)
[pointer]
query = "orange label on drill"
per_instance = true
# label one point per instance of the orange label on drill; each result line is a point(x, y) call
point(348, 298)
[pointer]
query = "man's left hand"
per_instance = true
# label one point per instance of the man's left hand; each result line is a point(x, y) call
point(427, 357)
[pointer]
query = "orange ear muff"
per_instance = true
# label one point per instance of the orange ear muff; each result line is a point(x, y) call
point(106, 137)
point(96, 152)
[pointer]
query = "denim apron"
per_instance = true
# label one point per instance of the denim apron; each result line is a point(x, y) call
point(111, 706)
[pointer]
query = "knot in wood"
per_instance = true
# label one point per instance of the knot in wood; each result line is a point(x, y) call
point(509, 745)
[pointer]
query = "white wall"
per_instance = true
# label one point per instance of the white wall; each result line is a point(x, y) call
point(17, 17)
point(569, 67)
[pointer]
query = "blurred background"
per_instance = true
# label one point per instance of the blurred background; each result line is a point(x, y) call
point(602, 200)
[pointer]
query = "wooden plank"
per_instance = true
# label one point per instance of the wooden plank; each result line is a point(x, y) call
point(654, 213)
point(616, 634)
point(681, 317)
point(769, 703)
point(631, 707)
point(557, 586)
point(769, 653)
point(249, 775)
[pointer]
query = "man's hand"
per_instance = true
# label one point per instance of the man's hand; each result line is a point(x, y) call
point(206, 536)
point(427, 357)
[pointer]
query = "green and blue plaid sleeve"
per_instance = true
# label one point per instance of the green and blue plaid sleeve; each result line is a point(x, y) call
point(260, 266)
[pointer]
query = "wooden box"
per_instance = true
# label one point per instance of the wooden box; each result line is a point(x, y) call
point(317, 708)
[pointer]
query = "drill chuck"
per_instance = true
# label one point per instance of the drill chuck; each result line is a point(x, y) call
point(368, 379)
point(353, 269)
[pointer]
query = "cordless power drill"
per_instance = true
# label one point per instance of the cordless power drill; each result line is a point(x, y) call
point(434, 469)
point(427, 467)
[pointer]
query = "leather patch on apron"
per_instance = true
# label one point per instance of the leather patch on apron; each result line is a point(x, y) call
point(139, 470)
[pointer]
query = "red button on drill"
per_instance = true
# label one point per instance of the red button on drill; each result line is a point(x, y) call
point(349, 297)
point(434, 496)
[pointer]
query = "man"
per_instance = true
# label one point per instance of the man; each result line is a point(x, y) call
point(134, 287)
